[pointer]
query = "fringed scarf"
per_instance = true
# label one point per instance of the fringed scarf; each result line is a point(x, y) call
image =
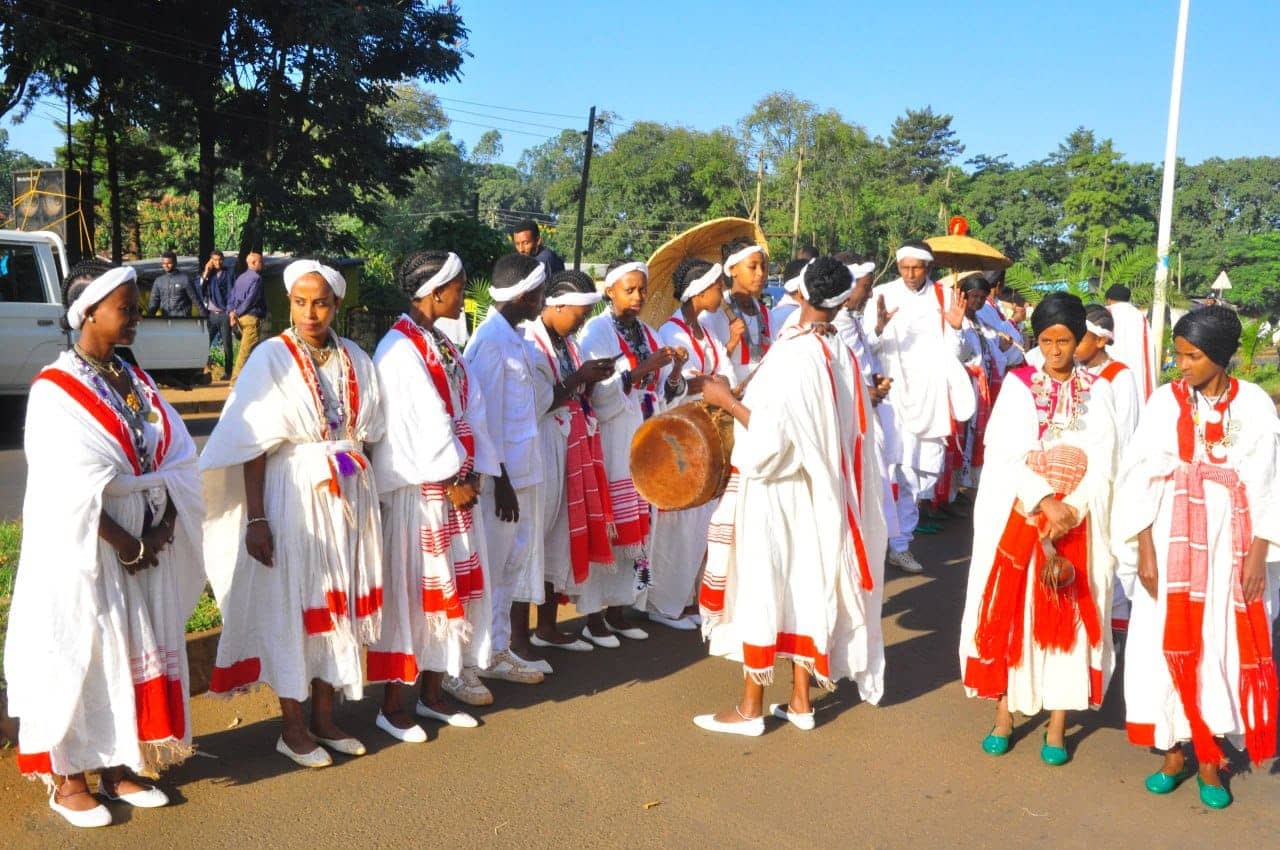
point(1187, 581)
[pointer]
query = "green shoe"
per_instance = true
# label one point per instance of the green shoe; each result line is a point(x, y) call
point(996, 745)
point(1162, 783)
point(1213, 796)
point(1053, 756)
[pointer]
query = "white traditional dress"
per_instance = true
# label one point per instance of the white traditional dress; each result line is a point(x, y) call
point(307, 616)
point(795, 551)
point(436, 610)
point(755, 343)
point(96, 659)
point(680, 537)
point(931, 389)
point(986, 365)
point(1046, 649)
point(620, 407)
point(1134, 346)
point(1128, 404)
point(577, 516)
point(1201, 476)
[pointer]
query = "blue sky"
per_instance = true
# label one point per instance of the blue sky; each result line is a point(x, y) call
point(1016, 76)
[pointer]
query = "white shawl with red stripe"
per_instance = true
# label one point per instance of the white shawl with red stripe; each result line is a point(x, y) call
point(305, 617)
point(95, 658)
point(781, 583)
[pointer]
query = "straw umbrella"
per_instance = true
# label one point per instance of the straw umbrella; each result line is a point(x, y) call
point(959, 251)
point(703, 242)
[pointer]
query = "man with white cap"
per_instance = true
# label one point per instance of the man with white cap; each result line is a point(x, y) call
point(500, 362)
point(1133, 345)
point(918, 323)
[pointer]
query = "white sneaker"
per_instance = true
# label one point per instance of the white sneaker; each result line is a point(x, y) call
point(542, 665)
point(905, 561)
point(467, 688)
point(509, 668)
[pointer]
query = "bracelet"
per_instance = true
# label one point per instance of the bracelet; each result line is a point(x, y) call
point(142, 552)
point(254, 519)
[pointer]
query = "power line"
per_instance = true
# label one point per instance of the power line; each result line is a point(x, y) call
point(508, 120)
point(499, 129)
point(510, 108)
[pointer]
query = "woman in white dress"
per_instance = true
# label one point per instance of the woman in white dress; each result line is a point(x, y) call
point(746, 265)
point(110, 567)
point(293, 541)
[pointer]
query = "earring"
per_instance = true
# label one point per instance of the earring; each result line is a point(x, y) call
point(93, 318)
point(558, 309)
point(437, 298)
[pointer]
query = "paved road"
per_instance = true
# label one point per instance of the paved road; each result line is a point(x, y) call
point(578, 761)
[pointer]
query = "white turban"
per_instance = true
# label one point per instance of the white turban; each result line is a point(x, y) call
point(301, 268)
point(451, 269)
point(792, 284)
point(98, 289)
point(1099, 331)
point(702, 284)
point(860, 270)
point(830, 303)
point(738, 256)
point(528, 283)
point(574, 299)
point(625, 268)
point(908, 252)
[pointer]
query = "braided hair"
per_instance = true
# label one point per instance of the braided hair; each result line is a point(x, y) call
point(689, 270)
point(569, 281)
point(418, 268)
point(826, 277)
point(81, 275)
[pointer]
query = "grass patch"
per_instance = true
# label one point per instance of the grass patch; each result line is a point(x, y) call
point(206, 615)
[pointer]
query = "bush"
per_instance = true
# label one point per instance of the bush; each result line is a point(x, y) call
point(478, 245)
point(171, 223)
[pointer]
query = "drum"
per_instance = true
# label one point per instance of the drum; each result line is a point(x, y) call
point(680, 458)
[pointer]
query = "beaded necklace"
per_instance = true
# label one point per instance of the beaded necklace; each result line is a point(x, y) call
point(133, 409)
point(1060, 404)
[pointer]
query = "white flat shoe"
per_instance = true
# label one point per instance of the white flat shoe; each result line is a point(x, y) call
point(631, 633)
point(413, 735)
point(149, 798)
point(683, 624)
point(751, 727)
point(782, 711)
point(575, 646)
point(316, 758)
point(98, 816)
point(605, 642)
point(542, 665)
point(346, 746)
point(459, 718)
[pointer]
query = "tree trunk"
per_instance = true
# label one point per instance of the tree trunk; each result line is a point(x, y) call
point(206, 179)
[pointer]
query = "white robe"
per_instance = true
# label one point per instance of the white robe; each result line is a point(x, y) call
point(1134, 346)
point(1044, 679)
point(760, 327)
point(680, 537)
point(1144, 499)
point(422, 446)
point(95, 658)
point(791, 583)
point(321, 539)
point(619, 413)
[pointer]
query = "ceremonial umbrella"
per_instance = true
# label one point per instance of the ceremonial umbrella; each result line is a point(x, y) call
point(703, 242)
point(959, 251)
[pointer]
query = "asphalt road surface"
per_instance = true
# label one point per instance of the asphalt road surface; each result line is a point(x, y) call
point(603, 754)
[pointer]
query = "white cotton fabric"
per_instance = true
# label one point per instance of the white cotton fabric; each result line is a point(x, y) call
point(626, 268)
point(788, 570)
point(270, 411)
point(709, 278)
point(451, 269)
point(300, 268)
point(780, 317)
point(420, 447)
point(1144, 498)
point(99, 288)
point(680, 537)
point(740, 255)
point(718, 324)
point(1044, 680)
point(82, 631)
point(1134, 346)
point(908, 252)
point(528, 283)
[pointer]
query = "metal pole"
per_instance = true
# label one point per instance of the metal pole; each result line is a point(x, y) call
point(582, 190)
point(1166, 190)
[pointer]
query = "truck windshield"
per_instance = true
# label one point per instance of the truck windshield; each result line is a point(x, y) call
point(20, 275)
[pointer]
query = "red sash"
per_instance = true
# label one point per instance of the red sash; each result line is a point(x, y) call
point(765, 336)
point(859, 547)
point(697, 348)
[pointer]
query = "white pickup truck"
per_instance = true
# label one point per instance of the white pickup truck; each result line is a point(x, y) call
point(32, 267)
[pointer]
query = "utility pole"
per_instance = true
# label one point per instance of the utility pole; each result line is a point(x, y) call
point(755, 212)
point(582, 190)
point(795, 219)
point(1102, 274)
point(1179, 271)
point(71, 163)
point(1166, 190)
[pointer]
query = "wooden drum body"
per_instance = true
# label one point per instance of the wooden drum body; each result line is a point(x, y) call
point(680, 458)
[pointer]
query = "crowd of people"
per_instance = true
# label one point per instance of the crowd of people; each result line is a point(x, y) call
point(412, 505)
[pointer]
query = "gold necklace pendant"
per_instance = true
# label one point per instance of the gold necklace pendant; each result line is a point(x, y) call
point(133, 402)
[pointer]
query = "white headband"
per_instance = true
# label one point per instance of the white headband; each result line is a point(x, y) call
point(739, 256)
point(625, 268)
point(860, 270)
point(907, 252)
point(452, 268)
point(703, 283)
point(830, 303)
point(300, 268)
point(528, 283)
point(99, 288)
point(792, 284)
point(1099, 331)
point(574, 299)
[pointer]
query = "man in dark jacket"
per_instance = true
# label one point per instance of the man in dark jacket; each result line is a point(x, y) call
point(215, 287)
point(527, 239)
point(172, 293)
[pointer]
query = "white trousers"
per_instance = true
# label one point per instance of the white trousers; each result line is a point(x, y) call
point(515, 567)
